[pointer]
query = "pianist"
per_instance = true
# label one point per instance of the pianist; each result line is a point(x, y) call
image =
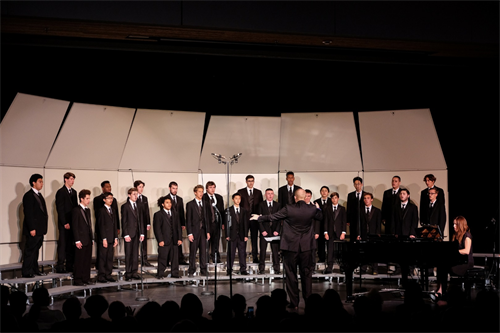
point(463, 236)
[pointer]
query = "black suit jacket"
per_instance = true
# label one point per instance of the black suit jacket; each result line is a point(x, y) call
point(130, 221)
point(65, 203)
point(143, 205)
point(245, 200)
point(193, 218)
point(107, 225)
point(283, 195)
point(239, 228)
point(35, 214)
point(370, 225)
point(437, 215)
point(99, 203)
point(208, 206)
point(353, 207)
point(179, 207)
point(167, 229)
point(406, 221)
point(298, 226)
point(336, 223)
point(268, 226)
point(390, 205)
point(424, 204)
point(82, 226)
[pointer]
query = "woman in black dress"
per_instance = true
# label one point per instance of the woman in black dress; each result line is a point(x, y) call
point(464, 238)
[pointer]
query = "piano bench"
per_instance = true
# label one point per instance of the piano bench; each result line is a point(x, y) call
point(472, 277)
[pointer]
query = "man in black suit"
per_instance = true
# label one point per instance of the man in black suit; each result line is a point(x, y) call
point(322, 202)
point(405, 224)
point(390, 205)
point(66, 200)
point(269, 229)
point(197, 217)
point(34, 225)
point(237, 235)
point(355, 207)
point(98, 204)
point(215, 220)
point(251, 198)
point(335, 223)
point(286, 192)
point(371, 220)
point(144, 218)
point(167, 229)
point(406, 216)
point(297, 244)
point(133, 234)
point(178, 205)
point(82, 234)
point(107, 239)
point(436, 212)
point(430, 181)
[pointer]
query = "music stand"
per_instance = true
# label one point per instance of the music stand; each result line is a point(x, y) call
point(428, 233)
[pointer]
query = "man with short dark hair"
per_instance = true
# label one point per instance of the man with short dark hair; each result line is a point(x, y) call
point(133, 234)
point(425, 201)
point(144, 218)
point(371, 220)
point(355, 205)
point(335, 222)
point(178, 205)
point(390, 205)
point(286, 192)
point(34, 225)
point(82, 234)
point(269, 229)
point(107, 239)
point(213, 202)
point(98, 204)
point(167, 231)
point(323, 201)
point(197, 217)
point(66, 200)
point(238, 235)
point(251, 197)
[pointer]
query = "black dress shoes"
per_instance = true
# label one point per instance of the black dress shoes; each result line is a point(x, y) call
point(89, 282)
point(40, 273)
point(160, 277)
point(79, 283)
point(244, 273)
point(136, 277)
point(110, 279)
point(128, 279)
point(327, 271)
point(148, 264)
point(28, 276)
point(262, 272)
point(102, 281)
point(183, 263)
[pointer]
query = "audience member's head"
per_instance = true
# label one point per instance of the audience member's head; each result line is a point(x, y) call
point(223, 309)
point(375, 299)
point(314, 306)
point(72, 308)
point(41, 296)
point(96, 305)
point(18, 303)
point(239, 305)
point(149, 316)
point(331, 299)
point(278, 296)
point(264, 307)
point(191, 306)
point(116, 311)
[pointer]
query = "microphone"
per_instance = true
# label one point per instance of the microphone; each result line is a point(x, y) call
point(213, 205)
point(218, 156)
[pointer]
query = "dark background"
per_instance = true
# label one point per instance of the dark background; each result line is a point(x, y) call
point(462, 93)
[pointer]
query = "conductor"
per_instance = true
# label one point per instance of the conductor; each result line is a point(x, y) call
point(297, 243)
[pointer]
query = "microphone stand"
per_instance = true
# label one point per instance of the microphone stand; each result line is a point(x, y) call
point(223, 160)
point(142, 297)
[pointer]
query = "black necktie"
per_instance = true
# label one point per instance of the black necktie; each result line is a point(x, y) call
point(357, 196)
point(237, 215)
point(87, 215)
point(334, 209)
point(42, 202)
point(110, 212)
point(212, 203)
point(324, 202)
point(250, 199)
point(175, 200)
point(290, 195)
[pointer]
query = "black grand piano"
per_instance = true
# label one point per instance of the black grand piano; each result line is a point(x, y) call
point(423, 252)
